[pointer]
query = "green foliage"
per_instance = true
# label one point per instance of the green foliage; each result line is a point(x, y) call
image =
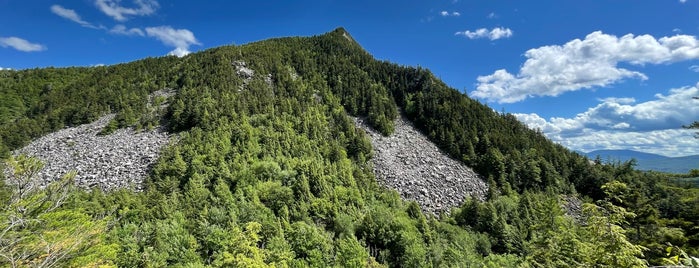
point(38, 101)
point(39, 231)
point(310, 244)
point(535, 225)
point(350, 253)
point(269, 171)
point(681, 259)
point(605, 230)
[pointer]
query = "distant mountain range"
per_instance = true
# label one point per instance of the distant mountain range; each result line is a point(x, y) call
point(648, 161)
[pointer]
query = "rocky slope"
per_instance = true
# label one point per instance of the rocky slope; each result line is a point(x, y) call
point(414, 166)
point(117, 160)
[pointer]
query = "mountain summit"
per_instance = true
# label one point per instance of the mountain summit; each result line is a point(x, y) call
point(257, 160)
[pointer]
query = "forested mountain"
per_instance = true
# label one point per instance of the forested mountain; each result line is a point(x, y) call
point(269, 171)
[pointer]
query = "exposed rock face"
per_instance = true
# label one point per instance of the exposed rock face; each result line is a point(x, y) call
point(572, 206)
point(414, 166)
point(248, 74)
point(117, 160)
point(243, 71)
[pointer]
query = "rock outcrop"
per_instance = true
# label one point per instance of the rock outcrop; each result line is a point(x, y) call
point(242, 70)
point(572, 206)
point(414, 166)
point(117, 160)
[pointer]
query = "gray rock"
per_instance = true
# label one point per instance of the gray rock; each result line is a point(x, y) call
point(243, 71)
point(118, 160)
point(424, 173)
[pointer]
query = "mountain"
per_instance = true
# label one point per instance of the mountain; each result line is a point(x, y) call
point(624, 155)
point(648, 161)
point(259, 162)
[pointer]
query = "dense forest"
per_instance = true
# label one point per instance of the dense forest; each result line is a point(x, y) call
point(270, 171)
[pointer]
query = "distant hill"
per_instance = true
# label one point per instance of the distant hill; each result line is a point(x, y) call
point(648, 161)
point(625, 155)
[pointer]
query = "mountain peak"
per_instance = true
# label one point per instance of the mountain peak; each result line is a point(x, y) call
point(342, 32)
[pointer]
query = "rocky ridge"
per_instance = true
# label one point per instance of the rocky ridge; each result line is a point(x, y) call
point(118, 160)
point(242, 70)
point(414, 166)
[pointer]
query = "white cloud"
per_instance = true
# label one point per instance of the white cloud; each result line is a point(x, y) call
point(5, 69)
point(181, 39)
point(447, 14)
point(621, 123)
point(669, 142)
point(179, 52)
point(694, 68)
point(71, 15)
point(493, 34)
point(580, 64)
point(497, 33)
point(683, 1)
point(113, 8)
point(20, 44)
point(122, 30)
point(492, 15)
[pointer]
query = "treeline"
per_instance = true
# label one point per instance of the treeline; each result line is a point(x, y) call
point(39, 101)
point(269, 171)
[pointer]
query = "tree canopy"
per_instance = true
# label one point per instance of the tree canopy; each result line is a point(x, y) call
point(269, 171)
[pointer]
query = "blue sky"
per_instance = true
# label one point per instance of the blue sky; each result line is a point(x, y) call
point(590, 74)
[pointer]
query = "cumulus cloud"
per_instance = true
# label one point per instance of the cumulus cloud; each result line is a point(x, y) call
point(20, 44)
point(179, 52)
point(113, 8)
point(71, 15)
point(694, 68)
point(670, 142)
point(493, 34)
point(180, 39)
point(122, 30)
point(652, 126)
point(581, 64)
point(447, 14)
point(5, 69)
